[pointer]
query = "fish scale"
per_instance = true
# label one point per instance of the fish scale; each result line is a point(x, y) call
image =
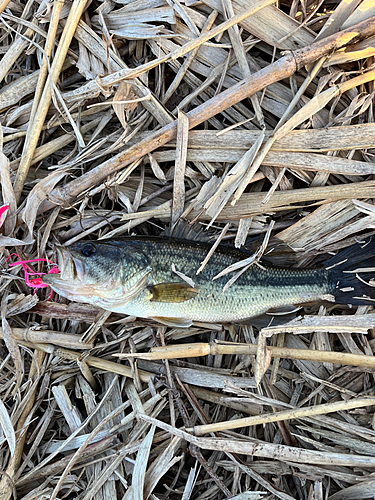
point(254, 293)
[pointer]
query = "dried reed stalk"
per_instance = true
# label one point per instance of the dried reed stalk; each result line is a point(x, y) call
point(3, 5)
point(311, 411)
point(67, 340)
point(217, 349)
point(255, 447)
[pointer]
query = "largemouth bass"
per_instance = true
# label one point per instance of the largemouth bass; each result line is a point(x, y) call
point(137, 276)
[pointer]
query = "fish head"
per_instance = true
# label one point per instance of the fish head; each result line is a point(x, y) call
point(104, 274)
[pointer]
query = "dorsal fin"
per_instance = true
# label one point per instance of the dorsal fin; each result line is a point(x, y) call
point(182, 230)
point(278, 253)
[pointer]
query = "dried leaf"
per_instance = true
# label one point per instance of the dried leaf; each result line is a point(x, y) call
point(7, 428)
point(123, 104)
point(183, 276)
point(159, 174)
point(39, 194)
point(21, 304)
point(7, 192)
point(140, 467)
point(12, 347)
point(180, 166)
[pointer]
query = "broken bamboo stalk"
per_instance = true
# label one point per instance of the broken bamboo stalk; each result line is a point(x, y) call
point(204, 349)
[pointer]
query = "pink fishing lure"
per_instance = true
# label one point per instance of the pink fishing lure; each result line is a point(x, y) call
point(34, 282)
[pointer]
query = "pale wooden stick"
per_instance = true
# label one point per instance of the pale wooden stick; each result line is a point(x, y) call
point(310, 411)
point(51, 38)
point(29, 147)
point(283, 68)
point(3, 5)
point(203, 349)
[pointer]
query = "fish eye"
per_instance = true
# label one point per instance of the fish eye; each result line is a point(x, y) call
point(88, 249)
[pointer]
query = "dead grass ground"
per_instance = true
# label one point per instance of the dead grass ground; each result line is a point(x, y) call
point(121, 117)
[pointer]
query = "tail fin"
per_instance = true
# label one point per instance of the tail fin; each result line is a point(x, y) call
point(352, 274)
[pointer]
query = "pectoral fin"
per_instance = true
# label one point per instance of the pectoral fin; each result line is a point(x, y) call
point(176, 322)
point(171, 292)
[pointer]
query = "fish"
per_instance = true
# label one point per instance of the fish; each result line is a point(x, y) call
point(156, 278)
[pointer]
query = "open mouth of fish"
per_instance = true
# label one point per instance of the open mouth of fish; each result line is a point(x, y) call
point(71, 269)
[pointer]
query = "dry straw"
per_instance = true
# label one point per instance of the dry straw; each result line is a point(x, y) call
point(250, 119)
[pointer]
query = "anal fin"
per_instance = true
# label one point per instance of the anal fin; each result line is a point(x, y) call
point(282, 311)
point(176, 322)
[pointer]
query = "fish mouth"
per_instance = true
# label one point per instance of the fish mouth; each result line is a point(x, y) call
point(70, 282)
point(71, 268)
